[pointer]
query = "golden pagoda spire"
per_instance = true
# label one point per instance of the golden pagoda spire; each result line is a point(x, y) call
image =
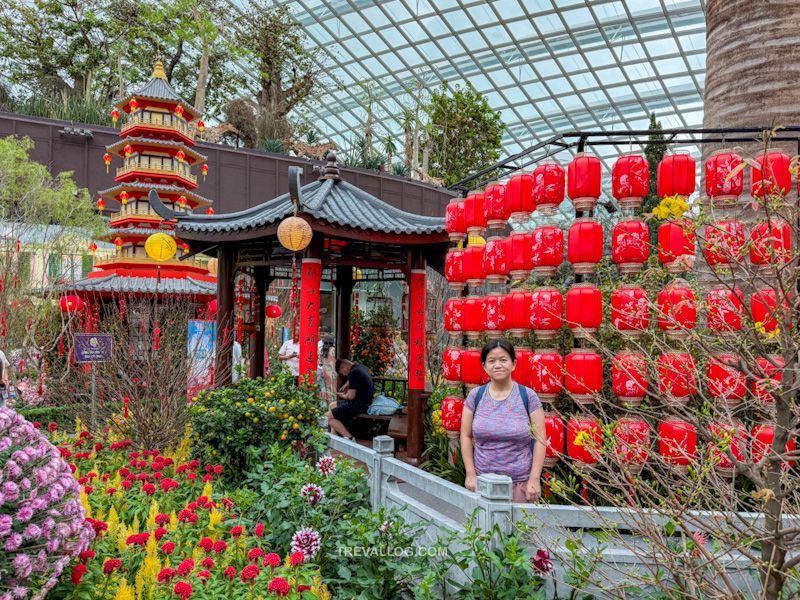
point(158, 71)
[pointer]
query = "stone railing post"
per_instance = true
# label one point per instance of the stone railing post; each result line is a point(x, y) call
point(383, 446)
point(323, 424)
point(494, 506)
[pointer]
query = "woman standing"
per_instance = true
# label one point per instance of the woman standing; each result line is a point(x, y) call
point(499, 418)
point(329, 377)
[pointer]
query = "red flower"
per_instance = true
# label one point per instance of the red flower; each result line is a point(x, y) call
point(149, 489)
point(230, 573)
point(208, 563)
point(185, 567)
point(297, 559)
point(142, 464)
point(111, 565)
point(124, 472)
point(85, 434)
point(206, 544)
point(162, 518)
point(204, 575)
point(202, 500)
point(158, 475)
point(255, 554)
point(86, 555)
point(98, 447)
point(77, 573)
point(168, 461)
point(83, 480)
point(52, 427)
point(209, 469)
point(166, 575)
point(73, 468)
point(218, 469)
point(192, 506)
point(191, 476)
point(183, 589)
point(220, 547)
point(168, 548)
point(91, 475)
point(278, 586)
point(271, 559)
point(193, 518)
point(181, 469)
point(88, 490)
point(105, 477)
point(207, 478)
point(237, 531)
point(37, 425)
point(194, 464)
point(126, 485)
point(259, 530)
point(303, 588)
point(166, 485)
point(143, 477)
point(250, 572)
point(111, 491)
point(159, 533)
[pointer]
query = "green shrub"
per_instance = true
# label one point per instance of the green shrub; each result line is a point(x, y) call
point(62, 416)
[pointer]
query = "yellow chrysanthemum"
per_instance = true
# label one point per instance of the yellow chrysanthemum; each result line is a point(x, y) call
point(173, 520)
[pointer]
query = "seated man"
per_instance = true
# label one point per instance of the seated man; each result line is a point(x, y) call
point(355, 396)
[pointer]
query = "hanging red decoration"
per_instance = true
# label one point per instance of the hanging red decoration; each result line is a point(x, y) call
point(774, 176)
point(114, 116)
point(630, 245)
point(676, 246)
point(629, 378)
point(201, 126)
point(451, 362)
point(523, 372)
point(133, 104)
point(584, 309)
point(519, 255)
point(180, 155)
point(157, 331)
point(584, 441)
point(630, 311)
point(585, 245)
point(4, 323)
point(454, 269)
point(632, 443)
point(128, 150)
point(452, 410)
point(496, 324)
point(126, 401)
point(547, 307)
point(474, 217)
point(764, 309)
point(122, 310)
point(107, 158)
point(453, 317)
point(518, 313)
point(204, 170)
point(495, 206)
point(211, 308)
point(721, 188)
point(677, 444)
point(761, 444)
point(274, 311)
point(584, 375)
point(474, 274)
point(554, 430)
point(454, 223)
point(474, 319)
point(725, 383)
point(677, 377)
point(772, 368)
point(101, 204)
point(519, 196)
point(209, 211)
point(547, 249)
point(724, 243)
point(494, 260)
point(731, 437)
point(771, 245)
point(472, 370)
point(630, 180)
point(547, 379)
point(676, 175)
point(584, 181)
point(548, 188)
point(179, 110)
point(182, 201)
point(123, 197)
point(725, 310)
point(70, 305)
point(311, 282)
point(293, 301)
point(677, 310)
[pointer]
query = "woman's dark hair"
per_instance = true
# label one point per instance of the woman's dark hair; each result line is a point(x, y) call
point(328, 343)
point(501, 343)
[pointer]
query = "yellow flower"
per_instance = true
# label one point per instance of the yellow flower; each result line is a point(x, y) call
point(124, 591)
point(207, 489)
point(775, 333)
point(214, 519)
point(581, 438)
point(151, 518)
point(113, 522)
point(173, 520)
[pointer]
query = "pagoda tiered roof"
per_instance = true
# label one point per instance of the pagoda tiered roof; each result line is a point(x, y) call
point(161, 92)
point(118, 148)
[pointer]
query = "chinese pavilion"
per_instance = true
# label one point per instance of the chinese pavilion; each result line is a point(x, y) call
point(156, 148)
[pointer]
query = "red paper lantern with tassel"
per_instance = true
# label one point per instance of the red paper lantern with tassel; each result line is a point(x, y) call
point(452, 366)
point(474, 217)
point(726, 384)
point(724, 243)
point(630, 311)
point(677, 310)
point(771, 244)
point(629, 378)
point(584, 309)
point(547, 379)
point(725, 310)
point(548, 188)
point(474, 274)
point(547, 249)
point(584, 181)
point(204, 170)
point(761, 442)
point(452, 410)
point(732, 437)
point(630, 180)
point(474, 318)
point(496, 324)
point(523, 372)
point(554, 430)
point(519, 196)
point(454, 269)
point(676, 175)
point(454, 223)
point(584, 375)
point(495, 206)
point(518, 313)
point(764, 309)
point(772, 367)
point(774, 177)
point(519, 255)
point(632, 447)
point(471, 368)
point(677, 376)
point(494, 260)
point(721, 188)
point(453, 317)
point(677, 444)
point(676, 246)
point(584, 443)
point(585, 245)
point(70, 305)
point(547, 308)
point(630, 245)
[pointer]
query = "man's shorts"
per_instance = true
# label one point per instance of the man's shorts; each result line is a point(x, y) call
point(348, 410)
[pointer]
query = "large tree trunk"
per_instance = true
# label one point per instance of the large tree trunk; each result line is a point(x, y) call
point(121, 77)
point(202, 80)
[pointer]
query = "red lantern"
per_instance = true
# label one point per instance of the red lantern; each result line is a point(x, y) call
point(182, 201)
point(274, 311)
point(519, 196)
point(763, 437)
point(472, 370)
point(474, 319)
point(764, 309)
point(548, 188)
point(454, 269)
point(518, 313)
point(519, 255)
point(629, 378)
point(107, 158)
point(677, 377)
point(452, 410)
point(734, 438)
point(523, 372)
point(201, 126)
point(209, 211)
point(772, 367)
point(554, 430)
point(585, 245)
point(496, 324)
point(453, 317)
point(474, 218)
point(584, 378)
point(547, 379)
point(676, 246)
point(180, 155)
point(204, 170)
point(118, 243)
point(495, 206)
point(547, 249)
point(719, 187)
point(584, 309)
point(677, 310)
point(123, 197)
point(211, 308)
point(494, 260)
point(474, 274)
point(70, 304)
point(547, 306)
point(630, 245)
point(584, 440)
point(725, 383)
point(114, 115)
point(677, 444)
point(773, 178)
point(725, 310)
point(724, 243)
point(133, 104)
point(452, 366)
point(771, 244)
point(676, 175)
point(630, 180)
point(179, 110)
point(101, 204)
point(92, 248)
point(584, 181)
point(632, 443)
point(630, 308)
point(454, 223)
point(128, 150)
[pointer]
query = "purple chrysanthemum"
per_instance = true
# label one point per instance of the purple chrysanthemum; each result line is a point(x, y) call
point(307, 541)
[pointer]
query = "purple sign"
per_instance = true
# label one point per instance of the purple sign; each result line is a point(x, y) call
point(93, 347)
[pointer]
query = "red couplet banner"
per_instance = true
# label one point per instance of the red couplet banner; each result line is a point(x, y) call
point(416, 340)
point(310, 279)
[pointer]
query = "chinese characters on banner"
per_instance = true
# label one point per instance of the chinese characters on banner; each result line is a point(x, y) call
point(416, 339)
point(310, 280)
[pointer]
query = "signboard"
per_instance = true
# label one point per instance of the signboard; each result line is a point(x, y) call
point(93, 347)
point(202, 348)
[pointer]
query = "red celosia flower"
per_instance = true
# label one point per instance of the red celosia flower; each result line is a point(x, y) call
point(194, 464)
point(105, 477)
point(250, 572)
point(166, 485)
point(255, 554)
point(192, 506)
point(183, 516)
point(218, 469)
point(88, 490)
point(230, 573)
point(131, 477)
point(98, 447)
point(303, 588)
point(158, 475)
point(159, 533)
point(52, 427)
point(142, 464)
point(271, 559)
point(220, 547)
point(185, 567)
point(149, 489)
point(183, 589)
point(193, 518)
point(259, 530)
point(168, 548)
point(77, 573)
point(83, 480)
point(208, 563)
point(37, 425)
point(181, 469)
point(207, 478)
point(85, 434)
point(278, 586)
point(204, 575)
point(162, 518)
point(143, 477)
point(166, 575)
point(110, 491)
point(297, 559)
point(86, 555)
point(111, 565)
point(168, 461)
point(201, 501)
point(73, 468)
point(126, 485)
point(237, 531)
point(209, 469)
point(91, 475)
point(124, 472)
point(206, 544)
point(191, 476)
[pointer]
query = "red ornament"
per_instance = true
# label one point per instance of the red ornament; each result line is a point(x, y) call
point(732, 437)
point(584, 181)
point(584, 375)
point(724, 243)
point(764, 309)
point(719, 187)
point(452, 366)
point(495, 206)
point(630, 180)
point(209, 211)
point(204, 170)
point(182, 201)
point(496, 324)
point(584, 449)
point(101, 204)
point(677, 444)
point(676, 175)
point(474, 319)
point(454, 223)
point(118, 242)
point(523, 372)
point(452, 410)
point(773, 178)
point(274, 311)
point(547, 250)
point(630, 308)
point(548, 188)
point(585, 245)
point(133, 104)
point(676, 246)
point(518, 313)
point(454, 269)
point(474, 274)
point(554, 430)
point(123, 197)
point(472, 370)
point(519, 196)
point(211, 308)
point(114, 115)
point(107, 158)
point(180, 155)
point(92, 248)
point(632, 443)
point(201, 126)
point(474, 217)
point(771, 244)
point(453, 317)
point(547, 308)
point(772, 368)
point(725, 310)
point(584, 309)
point(128, 150)
point(179, 110)
point(519, 255)
point(547, 379)
point(630, 245)
point(761, 442)
point(725, 383)
point(629, 378)
point(494, 260)
point(70, 304)
point(677, 377)
point(677, 310)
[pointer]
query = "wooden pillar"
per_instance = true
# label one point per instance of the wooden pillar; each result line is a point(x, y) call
point(344, 292)
point(416, 358)
point(225, 277)
point(259, 341)
point(310, 284)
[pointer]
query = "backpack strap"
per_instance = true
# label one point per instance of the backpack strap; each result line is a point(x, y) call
point(478, 395)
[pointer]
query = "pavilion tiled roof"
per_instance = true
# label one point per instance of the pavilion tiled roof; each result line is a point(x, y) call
point(124, 284)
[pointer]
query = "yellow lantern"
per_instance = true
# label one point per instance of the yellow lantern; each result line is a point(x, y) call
point(213, 266)
point(294, 234)
point(160, 247)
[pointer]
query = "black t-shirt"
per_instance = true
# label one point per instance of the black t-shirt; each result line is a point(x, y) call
point(360, 380)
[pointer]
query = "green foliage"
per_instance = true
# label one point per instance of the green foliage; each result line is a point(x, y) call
point(359, 155)
point(399, 169)
point(234, 425)
point(465, 133)
point(63, 108)
point(272, 145)
point(62, 416)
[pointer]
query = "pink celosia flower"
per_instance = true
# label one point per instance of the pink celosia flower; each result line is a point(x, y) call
point(250, 572)
point(220, 547)
point(279, 586)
